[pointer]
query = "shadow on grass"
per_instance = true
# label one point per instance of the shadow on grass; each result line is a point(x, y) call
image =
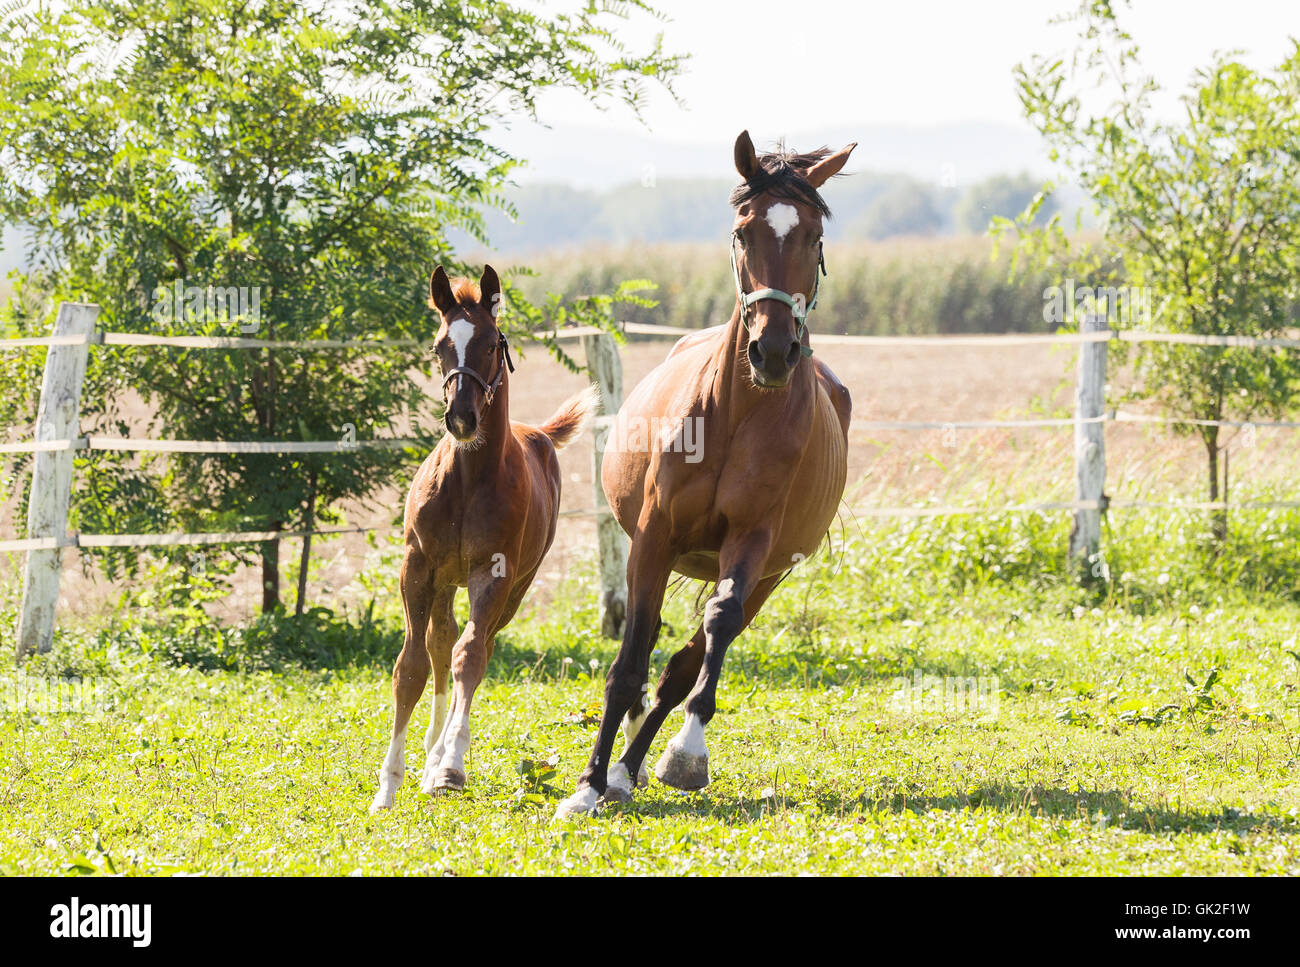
point(1101, 808)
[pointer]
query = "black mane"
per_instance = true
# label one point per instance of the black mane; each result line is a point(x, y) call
point(781, 174)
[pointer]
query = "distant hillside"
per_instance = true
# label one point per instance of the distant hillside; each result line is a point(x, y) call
point(865, 206)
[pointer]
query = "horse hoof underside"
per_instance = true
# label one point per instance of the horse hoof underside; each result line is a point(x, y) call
point(448, 780)
point(682, 770)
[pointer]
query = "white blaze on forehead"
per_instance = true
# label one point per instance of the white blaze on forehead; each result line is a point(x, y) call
point(461, 331)
point(782, 218)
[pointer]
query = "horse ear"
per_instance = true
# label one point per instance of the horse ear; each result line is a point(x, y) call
point(822, 171)
point(489, 287)
point(746, 162)
point(440, 294)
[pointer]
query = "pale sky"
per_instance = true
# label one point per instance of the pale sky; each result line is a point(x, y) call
point(802, 64)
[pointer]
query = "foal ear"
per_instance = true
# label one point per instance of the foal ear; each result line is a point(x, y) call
point(746, 162)
point(440, 294)
point(822, 171)
point(489, 287)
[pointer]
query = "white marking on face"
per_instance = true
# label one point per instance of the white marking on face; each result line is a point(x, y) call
point(782, 218)
point(462, 330)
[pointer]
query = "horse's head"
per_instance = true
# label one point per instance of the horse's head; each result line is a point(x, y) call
point(472, 352)
point(776, 248)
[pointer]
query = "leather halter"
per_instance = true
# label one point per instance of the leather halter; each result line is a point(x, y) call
point(489, 389)
point(748, 299)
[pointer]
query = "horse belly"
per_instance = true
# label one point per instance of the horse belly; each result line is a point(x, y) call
point(816, 494)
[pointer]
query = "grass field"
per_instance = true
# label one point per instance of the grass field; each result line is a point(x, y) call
point(1149, 730)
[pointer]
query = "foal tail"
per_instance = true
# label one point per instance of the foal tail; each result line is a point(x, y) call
point(572, 416)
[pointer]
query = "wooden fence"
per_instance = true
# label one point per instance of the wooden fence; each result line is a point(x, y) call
point(58, 436)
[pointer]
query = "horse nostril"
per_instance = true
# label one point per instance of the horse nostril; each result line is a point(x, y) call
point(792, 357)
point(755, 354)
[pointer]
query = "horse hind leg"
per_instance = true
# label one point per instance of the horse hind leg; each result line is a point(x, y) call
point(410, 673)
point(441, 638)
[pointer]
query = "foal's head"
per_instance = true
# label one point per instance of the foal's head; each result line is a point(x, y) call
point(472, 352)
point(777, 247)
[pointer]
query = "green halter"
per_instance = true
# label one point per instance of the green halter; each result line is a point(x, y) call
point(748, 299)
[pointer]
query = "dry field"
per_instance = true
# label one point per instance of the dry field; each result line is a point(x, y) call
point(887, 468)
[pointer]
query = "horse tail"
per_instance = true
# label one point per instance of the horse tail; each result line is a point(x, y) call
point(572, 416)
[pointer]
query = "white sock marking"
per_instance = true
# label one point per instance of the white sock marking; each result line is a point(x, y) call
point(618, 778)
point(436, 720)
point(582, 801)
point(455, 743)
point(691, 738)
point(782, 218)
point(391, 773)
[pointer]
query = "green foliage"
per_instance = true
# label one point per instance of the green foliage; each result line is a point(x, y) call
point(303, 165)
point(1199, 213)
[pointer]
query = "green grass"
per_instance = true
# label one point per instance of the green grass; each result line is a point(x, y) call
point(1154, 729)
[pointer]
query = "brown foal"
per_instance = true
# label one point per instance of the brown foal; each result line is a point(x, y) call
point(480, 515)
point(754, 496)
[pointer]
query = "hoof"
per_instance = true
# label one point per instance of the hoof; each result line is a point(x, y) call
point(643, 777)
point(682, 770)
point(387, 794)
point(618, 787)
point(448, 780)
point(584, 802)
point(428, 777)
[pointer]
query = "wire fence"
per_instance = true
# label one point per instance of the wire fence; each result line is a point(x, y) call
point(130, 340)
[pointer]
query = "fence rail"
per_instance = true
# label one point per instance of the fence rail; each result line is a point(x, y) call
point(73, 335)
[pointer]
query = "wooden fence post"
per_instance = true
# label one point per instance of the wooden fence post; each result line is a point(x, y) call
point(57, 418)
point(605, 367)
point(1089, 452)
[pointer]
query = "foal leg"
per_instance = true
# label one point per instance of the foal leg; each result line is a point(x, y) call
point(680, 675)
point(409, 673)
point(439, 642)
point(489, 595)
point(648, 569)
point(685, 761)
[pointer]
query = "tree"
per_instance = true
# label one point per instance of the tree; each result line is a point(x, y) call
point(1002, 195)
point(278, 170)
point(1199, 214)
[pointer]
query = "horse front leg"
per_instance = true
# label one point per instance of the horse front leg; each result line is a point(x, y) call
point(685, 761)
point(410, 672)
point(649, 567)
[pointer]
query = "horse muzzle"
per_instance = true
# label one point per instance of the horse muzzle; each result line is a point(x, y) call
point(463, 425)
point(772, 360)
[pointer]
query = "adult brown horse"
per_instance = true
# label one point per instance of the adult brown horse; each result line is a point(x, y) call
point(480, 514)
point(754, 496)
